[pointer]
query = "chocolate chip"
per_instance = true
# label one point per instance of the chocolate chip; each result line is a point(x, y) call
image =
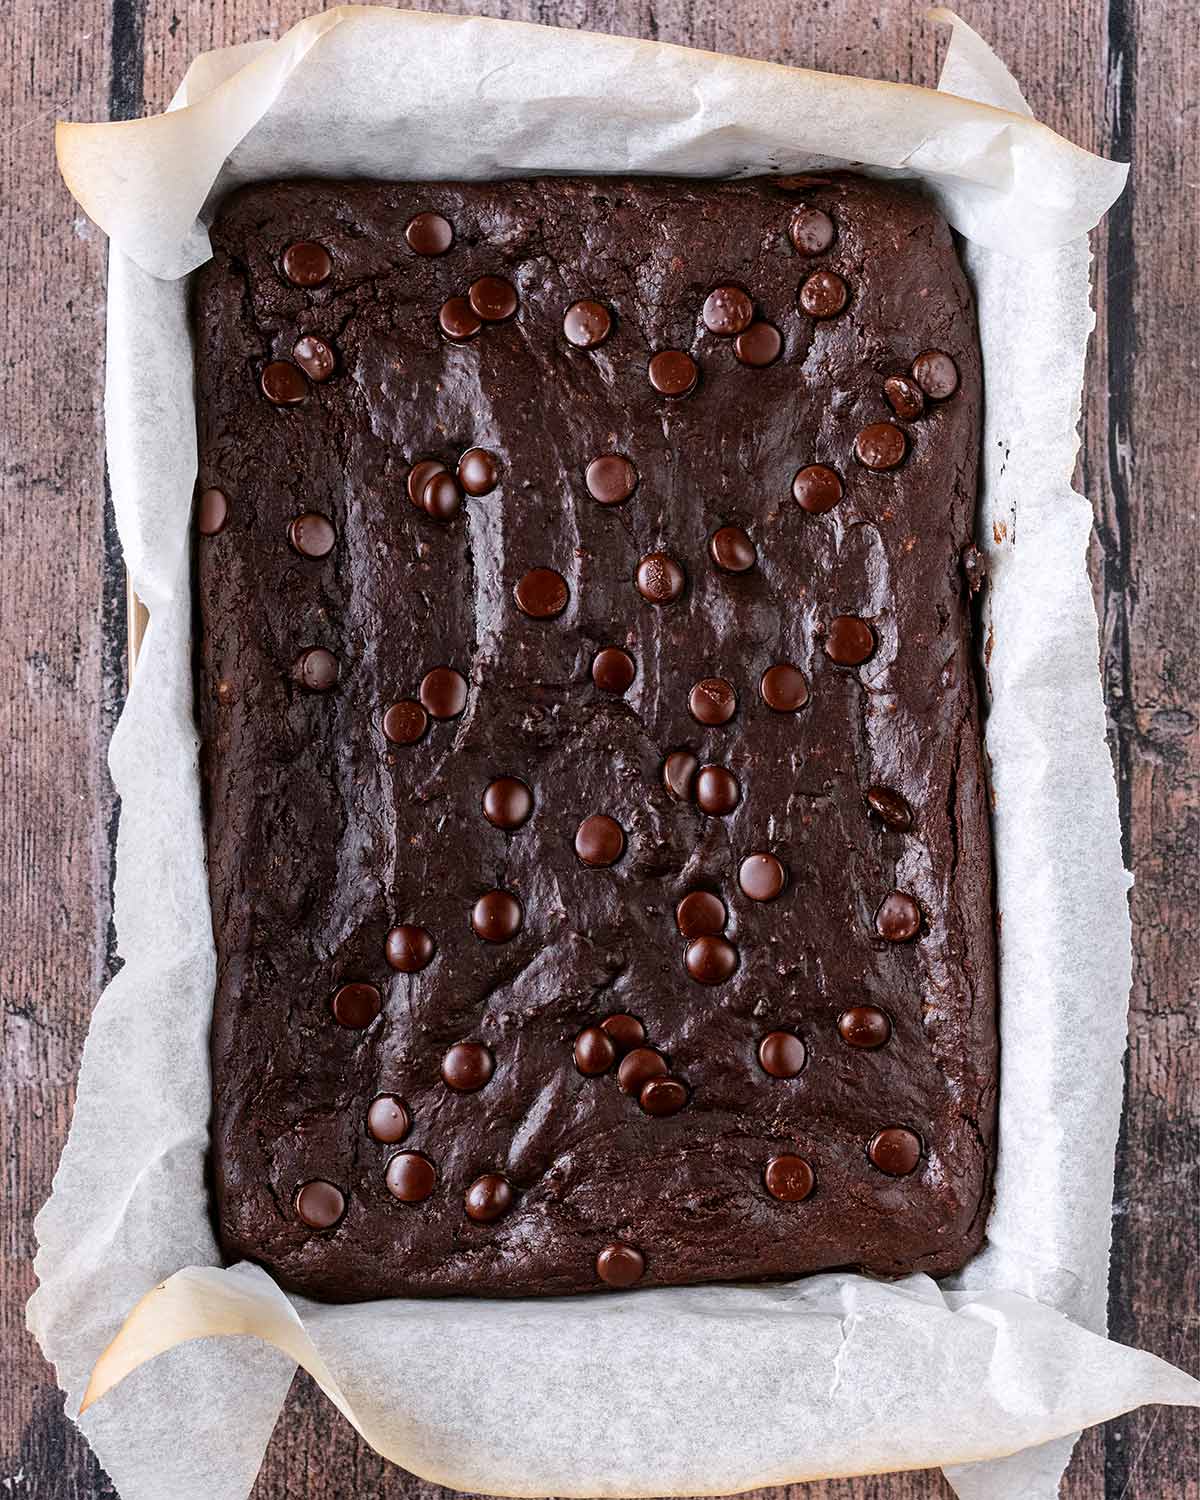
point(898, 918)
point(936, 374)
point(542, 594)
point(405, 722)
point(587, 324)
point(312, 534)
point(850, 641)
point(493, 298)
point(895, 1150)
point(283, 384)
point(710, 959)
point(679, 774)
point(637, 1066)
point(458, 320)
point(507, 802)
point(717, 791)
point(478, 471)
point(388, 1119)
point(788, 1178)
point(212, 512)
point(442, 498)
point(419, 476)
point(663, 1096)
point(410, 1177)
point(784, 688)
point(904, 397)
point(712, 701)
point(659, 578)
point(864, 1026)
point(599, 841)
point(497, 917)
point(613, 670)
point(700, 914)
point(823, 295)
point(732, 550)
point(727, 310)
point(443, 693)
point(316, 669)
point(817, 489)
point(672, 372)
point(620, 1265)
point(408, 949)
point(319, 1204)
point(759, 346)
point(881, 445)
point(626, 1031)
point(811, 230)
point(307, 264)
point(761, 877)
point(610, 478)
point(782, 1054)
point(595, 1051)
point(429, 234)
point(356, 1005)
point(488, 1198)
point(314, 356)
point(889, 807)
point(467, 1067)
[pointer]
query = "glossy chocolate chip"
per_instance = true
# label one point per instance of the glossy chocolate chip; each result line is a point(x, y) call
point(889, 807)
point(493, 298)
point(679, 774)
point(507, 802)
point(761, 877)
point(811, 230)
point(849, 641)
point(727, 311)
point(700, 914)
point(410, 1177)
point(429, 234)
point(936, 374)
point(672, 372)
point(419, 476)
point(817, 489)
point(443, 693)
point(784, 688)
point(405, 722)
point(626, 1031)
point(488, 1198)
point(595, 1051)
point(307, 264)
point(732, 550)
point(283, 384)
point(788, 1178)
point(478, 471)
point(388, 1119)
point(610, 479)
point(659, 578)
point(441, 498)
point(356, 1005)
point(759, 346)
point(637, 1066)
point(497, 916)
point(895, 1150)
point(316, 669)
point(212, 512)
point(408, 948)
point(620, 1265)
point(823, 295)
point(717, 791)
point(319, 1204)
point(467, 1067)
point(904, 397)
point(712, 701)
point(880, 446)
point(663, 1096)
point(898, 918)
point(864, 1026)
point(542, 594)
point(315, 357)
point(599, 841)
point(458, 320)
point(782, 1054)
point(586, 324)
point(710, 959)
point(312, 534)
point(613, 670)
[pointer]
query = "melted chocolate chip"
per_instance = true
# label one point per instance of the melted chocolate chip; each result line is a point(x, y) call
point(784, 688)
point(663, 1096)
point(410, 1177)
point(356, 1005)
point(312, 534)
point(732, 550)
point(717, 791)
point(458, 320)
point(467, 1067)
point(388, 1119)
point(881, 445)
point(782, 1054)
point(727, 311)
point(441, 497)
point(493, 298)
point(610, 479)
point(659, 578)
point(679, 774)
point(443, 693)
point(283, 384)
point(712, 701)
point(595, 1051)
point(904, 397)
point(672, 372)
point(307, 264)
point(319, 1204)
point(587, 324)
point(889, 807)
point(419, 476)
point(850, 641)
point(895, 1150)
point(542, 594)
point(405, 722)
point(626, 1031)
point(620, 1265)
point(864, 1026)
point(761, 877)
point(507, 802)
point(759, 346)
point(700, 914)
point(478, 471)
point(936, 374)
point(315, 357)
point(789, 1178)
point(898, 918)
point(429, 234)
point(497, 916)
point(488, 1198)
point(823, 295)
point(212, 512)
point(408, 949)
point(811, 230)
point(316, 669)
point(637, 1066)
point(599, 841)
point(710, 959)
point(613, 670)
point(817, 489)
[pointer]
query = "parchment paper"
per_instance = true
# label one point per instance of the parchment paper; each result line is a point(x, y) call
point(687, 1391)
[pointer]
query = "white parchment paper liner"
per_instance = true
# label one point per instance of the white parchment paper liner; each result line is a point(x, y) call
point(684, 1391)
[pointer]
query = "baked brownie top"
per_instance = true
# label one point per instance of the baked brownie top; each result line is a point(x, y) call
point(597, 832)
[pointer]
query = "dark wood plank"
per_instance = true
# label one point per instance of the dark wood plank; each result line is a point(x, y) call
point(1114, 75)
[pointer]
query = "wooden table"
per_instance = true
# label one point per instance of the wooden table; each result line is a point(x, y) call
point(1118, 76)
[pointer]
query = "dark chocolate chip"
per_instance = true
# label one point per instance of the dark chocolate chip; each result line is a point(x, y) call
point(936, 374)
point(727, 310)
point(811, 230)
point(458, 320)
point(679, 774)
point(410, 1177)
point(388, 1119)
point(904, 397)
point(315, 357)
point(898, 918)
point(316, 669)
point(850, 641)
point(441, 497)
point(507, 802)
point(889, 807)
point(672, 372)
point(319, 1204)
point(307, 264)
point(497, 916)
point(542, 594)
point(663, 1096)
point(732, 550)
point(712, 701)
point(637, 1066)
point(881, 445)
point(587, 324)
point(478, 471)
point(405, 722)
point(419, 476)
point(488, 1198)
point(659, 578)
point(789, 1178)
point(595, 1051)
point(467, 1067)
point(895, 1150)
point(784, 688)
point(212, 512)
point(610, 479)
point(408, 948)
point(493, 298)
point(443, 693)
point(782, 1054)
point(626, 1031)
point(620, 1265)
point(864, 1026)
point(817, 489)
point(283, 384)
point(613, 670)
point(599, 841)
point(700, 914)
point(759, 346)
point(761, 877)
point(717, 791)
point(710, 959)
point(356, 1005)
point(429, 234)
point(823, 295)
point(312, 534)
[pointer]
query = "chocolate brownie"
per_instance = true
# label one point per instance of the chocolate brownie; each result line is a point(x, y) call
point(597, 828)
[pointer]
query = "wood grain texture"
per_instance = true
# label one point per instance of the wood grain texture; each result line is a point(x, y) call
point(1118, 76)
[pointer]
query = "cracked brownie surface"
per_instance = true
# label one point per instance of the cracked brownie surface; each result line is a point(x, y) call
point(597, 832)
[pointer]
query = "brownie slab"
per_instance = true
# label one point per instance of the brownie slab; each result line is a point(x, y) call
point(597, 831)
